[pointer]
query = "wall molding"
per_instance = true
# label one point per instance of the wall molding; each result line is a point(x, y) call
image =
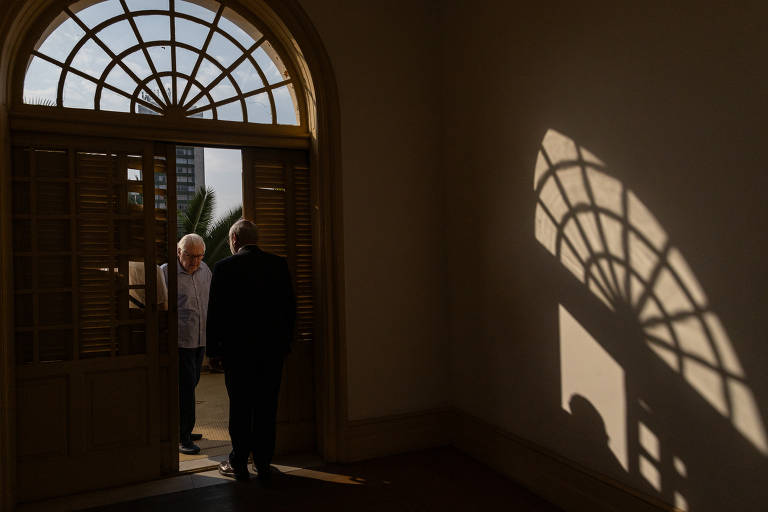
point(399, 433)
point(557, 479)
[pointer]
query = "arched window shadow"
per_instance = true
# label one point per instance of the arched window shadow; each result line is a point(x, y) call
point(604, 235)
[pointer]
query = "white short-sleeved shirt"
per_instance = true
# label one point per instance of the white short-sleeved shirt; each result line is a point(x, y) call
point(192, 302)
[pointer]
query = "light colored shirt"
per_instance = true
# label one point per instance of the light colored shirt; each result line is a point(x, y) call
point(136, 277)
point(192, 303)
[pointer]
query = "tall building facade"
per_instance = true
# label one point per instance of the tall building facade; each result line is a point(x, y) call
point(190, 176)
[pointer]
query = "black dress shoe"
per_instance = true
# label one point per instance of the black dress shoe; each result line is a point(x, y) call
point(189, 448)
point(264, 472)
point(196, 437)
point(226, 469)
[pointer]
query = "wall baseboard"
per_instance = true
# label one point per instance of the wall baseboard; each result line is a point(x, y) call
point(554, 478)
point(390, 435)
point(551, 476)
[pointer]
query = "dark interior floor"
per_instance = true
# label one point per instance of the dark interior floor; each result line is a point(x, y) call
point(439, 479)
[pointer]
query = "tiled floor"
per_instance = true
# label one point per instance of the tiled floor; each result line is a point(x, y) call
point(212, 418)
point(439, 479)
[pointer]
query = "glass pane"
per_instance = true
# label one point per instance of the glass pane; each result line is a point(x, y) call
point(114, 102)
point(259, 110)
point(99, 12)
point(167, 85)
point(55, 345)
point(230, 22)
point(285, 105)
point(52, 198)
point(54, 272)
point(120, 79)
point(52, 164)
point(193, 92)
point(53, 235)
point(55, 308)
point(185, 61)
point(180, 84)
point(20, 201)
point(196, 10)
point(223, 90)
point(223, 50)
point(61, 41)
point(205, 114)
point(118, 37)
point(230, 112)
point(22, 309)
point(207, 72)
point(20, 163)
point(138, 64)
point(131, 338)
point(153, 109)
point(41, 82)
point(267, 66)
point(161, 57)
point(78, 92)
point(24, 349)
point(247, 77)
point(91, 59)
point(147, 5)
point(190, 32)
point(154, 28)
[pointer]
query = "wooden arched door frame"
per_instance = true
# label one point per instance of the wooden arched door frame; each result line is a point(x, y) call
point(293, 29)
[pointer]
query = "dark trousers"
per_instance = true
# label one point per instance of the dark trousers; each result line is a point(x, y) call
point(190, 362)
point(253, 392)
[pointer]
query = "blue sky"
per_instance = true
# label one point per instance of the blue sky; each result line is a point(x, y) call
point(223, 172)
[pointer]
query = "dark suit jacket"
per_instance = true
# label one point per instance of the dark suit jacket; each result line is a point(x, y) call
point(251, 307)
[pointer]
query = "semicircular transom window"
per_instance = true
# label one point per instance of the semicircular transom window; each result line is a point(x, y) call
point(174, 58)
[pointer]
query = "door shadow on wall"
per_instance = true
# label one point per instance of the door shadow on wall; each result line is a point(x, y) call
point(654, 378)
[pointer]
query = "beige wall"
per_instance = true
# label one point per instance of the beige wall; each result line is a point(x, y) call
point(672, 99)
point(385, 64)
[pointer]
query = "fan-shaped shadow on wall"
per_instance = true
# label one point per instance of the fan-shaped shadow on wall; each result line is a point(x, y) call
point(604, 235)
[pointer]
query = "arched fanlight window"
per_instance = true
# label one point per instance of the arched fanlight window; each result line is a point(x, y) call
point(174, 58)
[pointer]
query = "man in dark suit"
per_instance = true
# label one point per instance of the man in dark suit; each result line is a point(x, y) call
point(251, 315)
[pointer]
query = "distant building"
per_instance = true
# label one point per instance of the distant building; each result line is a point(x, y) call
point(190, 172)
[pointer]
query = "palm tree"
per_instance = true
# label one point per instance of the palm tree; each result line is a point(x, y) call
point(198, 218)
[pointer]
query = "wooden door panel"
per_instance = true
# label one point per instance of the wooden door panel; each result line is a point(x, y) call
point(118, 412)
point(38, 479)
point(43, 417)
point(277, 197)
point(95, 401)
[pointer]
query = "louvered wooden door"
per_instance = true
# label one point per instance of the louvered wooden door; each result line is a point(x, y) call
point(95, 378)
point(277, 197)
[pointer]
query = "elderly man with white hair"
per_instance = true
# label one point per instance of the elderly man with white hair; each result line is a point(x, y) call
point(193, 279)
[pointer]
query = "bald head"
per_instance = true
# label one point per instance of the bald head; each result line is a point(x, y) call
point(242, 233)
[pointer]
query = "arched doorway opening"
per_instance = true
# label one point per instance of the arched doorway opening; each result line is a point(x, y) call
point(130, 138)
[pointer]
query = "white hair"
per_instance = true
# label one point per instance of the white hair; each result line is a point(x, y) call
point(191, 239)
